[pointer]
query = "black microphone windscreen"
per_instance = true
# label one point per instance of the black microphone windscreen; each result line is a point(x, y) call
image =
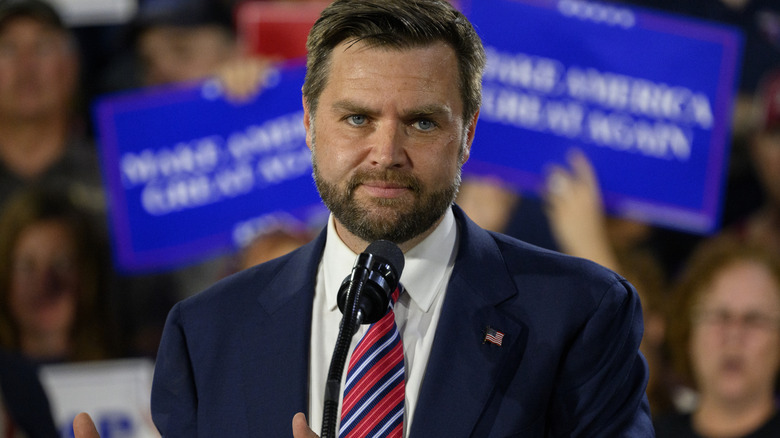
point(388, 251)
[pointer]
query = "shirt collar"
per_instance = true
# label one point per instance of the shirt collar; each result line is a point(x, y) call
point(424, 265)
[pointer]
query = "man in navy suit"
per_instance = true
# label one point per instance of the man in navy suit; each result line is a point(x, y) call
point(391, 101)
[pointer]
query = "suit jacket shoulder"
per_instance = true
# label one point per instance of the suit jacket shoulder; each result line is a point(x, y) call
point(568, 362)
point(233, 360)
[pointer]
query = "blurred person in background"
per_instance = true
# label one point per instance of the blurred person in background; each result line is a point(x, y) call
point(180, 41)
point(174, 41)
point(24, 406)
point(725, 338)
point(41, 136)
point(190, 40)
point(763, 224)
point(272, 244)
point(185, 41)
point(43, 141)
point(488, 201)
point(53, 281)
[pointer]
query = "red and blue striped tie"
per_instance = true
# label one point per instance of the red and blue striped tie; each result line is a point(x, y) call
point(373, 403)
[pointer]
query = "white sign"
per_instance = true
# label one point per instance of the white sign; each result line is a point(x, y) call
point(114, 393)
point(95, 12)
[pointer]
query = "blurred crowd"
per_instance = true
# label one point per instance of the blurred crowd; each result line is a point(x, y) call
point(711, 303)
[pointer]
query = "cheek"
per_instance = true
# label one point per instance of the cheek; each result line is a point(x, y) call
point(766, 352)
point(65, 72)
point(769, 166)
point(337, 159)
point(441, 166)
point(16, 301)
point(7, 81)
point(766, 157)
point(703, 347)
point(6, 72)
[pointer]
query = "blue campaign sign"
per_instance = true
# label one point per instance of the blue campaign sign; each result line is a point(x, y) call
point(647, 97)
point(191, 173)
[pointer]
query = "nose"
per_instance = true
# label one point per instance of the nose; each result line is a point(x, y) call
point(54, 280)
point(44, 281)
point(733, 332)
point(388, 148)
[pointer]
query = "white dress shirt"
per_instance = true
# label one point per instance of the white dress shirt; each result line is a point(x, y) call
point(426, 273)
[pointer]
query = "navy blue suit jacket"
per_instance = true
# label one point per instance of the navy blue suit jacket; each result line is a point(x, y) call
point(234, 359)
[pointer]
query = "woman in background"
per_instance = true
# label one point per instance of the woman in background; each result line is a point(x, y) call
point(53, 280)
point(725, 339)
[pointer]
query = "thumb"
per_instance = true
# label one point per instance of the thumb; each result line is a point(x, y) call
point(300, 427)
point(84, 427)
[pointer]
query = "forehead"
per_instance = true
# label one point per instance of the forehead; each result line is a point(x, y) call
point(182, 34)
point(424, 72)
point(46, 235)
point(24, 23)
point(744, 285)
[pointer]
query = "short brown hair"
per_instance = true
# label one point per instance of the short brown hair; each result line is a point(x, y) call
point(709, 260)
point(38, 10)
point(398, 24)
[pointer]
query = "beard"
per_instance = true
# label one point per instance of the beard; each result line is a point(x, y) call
point(396, 220)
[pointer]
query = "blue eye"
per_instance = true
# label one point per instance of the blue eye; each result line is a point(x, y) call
point(356, 120)
point(424, 125)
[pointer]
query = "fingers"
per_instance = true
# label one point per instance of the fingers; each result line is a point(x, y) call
point(84, 427)
point(301, 427)
point(559, 181)
point(487, 202)
point(243, 78)
point(582, 168)
point(580, 181)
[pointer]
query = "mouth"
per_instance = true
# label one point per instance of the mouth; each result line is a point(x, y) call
point(384, 189)
point(385, 185)
point(732, 365)
point(47, 296)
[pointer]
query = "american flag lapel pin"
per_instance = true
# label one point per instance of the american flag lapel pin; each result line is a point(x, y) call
point(493, 336)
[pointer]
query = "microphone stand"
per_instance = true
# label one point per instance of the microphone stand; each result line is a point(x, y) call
point(363, 297)
point(351, 320)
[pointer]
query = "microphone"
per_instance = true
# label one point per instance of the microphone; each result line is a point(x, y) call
point(374, 278)
point(362, 298)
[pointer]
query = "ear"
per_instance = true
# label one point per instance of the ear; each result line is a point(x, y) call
point(472, 129)
point(307, 121)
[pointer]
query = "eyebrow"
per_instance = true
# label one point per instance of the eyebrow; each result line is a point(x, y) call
point(429, 110)
point(351, 107)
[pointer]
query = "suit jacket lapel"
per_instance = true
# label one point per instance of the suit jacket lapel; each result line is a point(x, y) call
point(280, 334)
point(463, 370)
